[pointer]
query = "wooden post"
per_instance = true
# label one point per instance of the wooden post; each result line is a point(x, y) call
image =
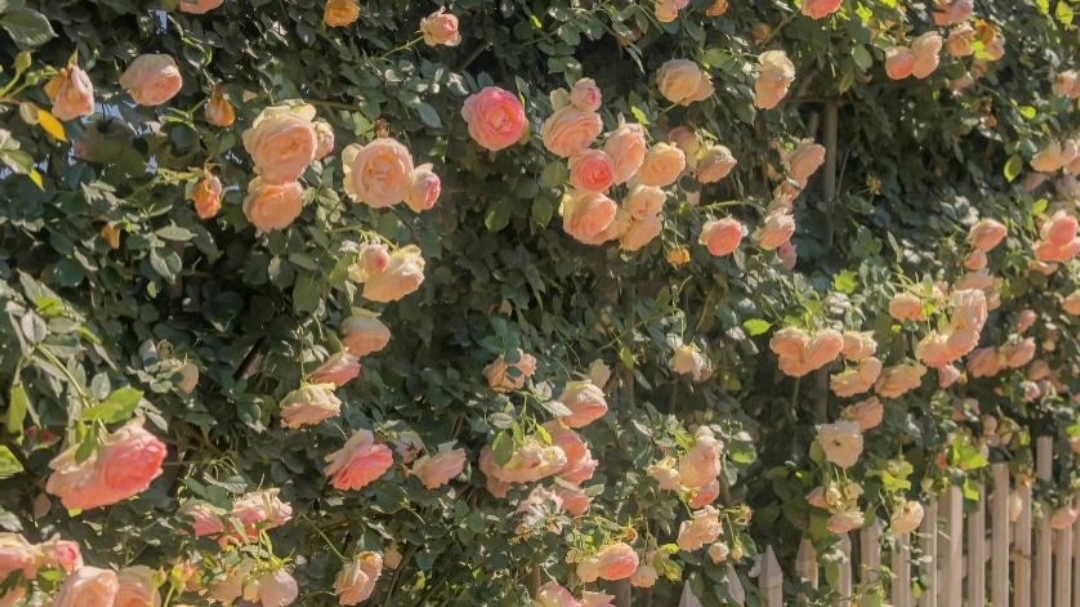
point(623, 593)
point(734, 587)
point(999, 525)
point(870, 555)
point(1076, 560)
point(688, 598)
point(1044, 453)
point(771, 580)
point(952, 588)
point(1063, 566)
point(929, 531)
point(976, 561)
point(1022, 564)
point(806, 565)
point(844, 583)
point(901, 566)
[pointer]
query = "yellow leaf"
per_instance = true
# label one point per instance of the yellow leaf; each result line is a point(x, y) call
point(51, 125)
point(36, 177)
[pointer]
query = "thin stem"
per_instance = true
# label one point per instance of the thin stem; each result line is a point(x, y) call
point(408, 45)
point(327, 540)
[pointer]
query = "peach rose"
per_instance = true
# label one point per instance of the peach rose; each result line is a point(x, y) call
point(496, 118)
point(599, 599)
point(703, 528)
point(137, 587)
point(899, 380)
point(804, 161)
point(984, 362)
point(1060, 229)
point(703, 496)
point(532, 461)
point(403, 275)
point(585, 401)
point(570, 131)
point(626, 146)
point(688, 360)
point(718, 8)
point(686, 139)
point(359, 463)
point(282, 142)
point(640, 233)
point(927, 50)
point(906, 306)
point(899, 62)
point(88, 587)
point(845, 522)
point(667, 11)
point(57, 554)
point(277, 588)
point(324, 135)
point(1050, 159)
point(341, 13)
point(17, 554)
point(440, 27)
point(948, 376)
point(261, 510)
point(714, 163)
point(219, 112)
point(976, 261)
point(152, 80)
point(270, 207)
point(425, 189)
point(778, 229)
point(858, 346)
point(356, 581)
point(207, 197)
point(934, 351)
point(309, 405)
point(364, 334)
point(775, 76)
point(645, 576)
point(1049, 252)
point(951, 12)
point(906, 518)
point(339, 369)
point(434, 471)
point(700, 465)
point(616, 561)
point(575, 501)
point(721, 236)
point(644, 201)
point(71, 93)
point(1016, 354)
point(552, 594)
point(1067, 84)
point(198, 7)
point(662, 165)
point(592, 171)
point(379, 174)
point(683, 82)
point(961, 41)
point(585, 95)
point(1071, 304)
point(856, 380)
point(867, 413)
point(665, 474)
point(842, 442)
point(787, 255)
point(501, 378)
point(819, 9)
point(206, 520)
point(586, 214)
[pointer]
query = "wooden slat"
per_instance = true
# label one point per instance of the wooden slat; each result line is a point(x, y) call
point(806, 565)
point(688, 598)
point(734, 587)
point(771, 580)
point(999, 526)
point(901, 569)
point(976, 571)
point(929, 532)
point(844, 583)
point(1043, 564)
point(1063, 565)
point(870, 555)
point(1076, 561)
point(951, 588)
point(1022, 554)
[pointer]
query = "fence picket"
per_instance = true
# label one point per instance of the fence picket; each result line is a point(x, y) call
point(734, 587)
point(1044, 540)
point(1063, 564)
point(1022, 553)
point(901, 570)
point(870, 555)
point(771, 580)
point(844, 583)
point(806, 565)
point(952, 592)
point(999, 534)
point(976, 563)
point(688, 598)
point(929, 544)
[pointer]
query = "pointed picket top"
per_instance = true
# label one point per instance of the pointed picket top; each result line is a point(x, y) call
point(734, 587)
point(806, 565)
point(688, 598)
point(771, 580)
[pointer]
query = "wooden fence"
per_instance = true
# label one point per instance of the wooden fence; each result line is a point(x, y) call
point(983, 559)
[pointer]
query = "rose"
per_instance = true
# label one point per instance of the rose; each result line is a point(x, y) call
point(586, 214)
point(845, 522)
point(129, 460)
point(364, 334)
point(532, 461)
point(434, 471)
point(626, 147)
point(282, 142)
point(667, 477)
point(662, 165)
point(88, 587)
point(1016, 354)
point(703, 528)
point(858, 346)
point(616, 561)
point(718, 8)
point(953, 11)
point(198, 7)
point(819, 9)
point(667, 11)
point(700, 465)
point(207, 197)
point(309, 405)
point(579, 462)
point(641, 232)
point(906, 518)
point(71, 93)
point(906, 306)
point(686, 139)
point(1050, 159)
point(403, 275)
point(17, 554)
point(552, 594)
point(339, 369)
point(644, 201)
point(721, 236)
point(585, 95)
point(683, 82)
point(495, 117)
point(984, 362)
point(787, 255)
point(261, 510)
point(927, 51)
point(324, 134)
point(356, 581)
point(152, 80)
point(59, 554)
point(857, 380)
point(341, 13)
point(842, 442)
point(440, 27)
point(379, 174)
point(899, 62)
point(961, 41)
point(688, 360)
point(899, 380)
point(1060, 229)
point(778, 230)
point(585, 401)
point(569, 131)
point(987, 235)
point(714, 163)
point(775, 76)
point(599, 599)
point(271, 207)
point(424, 190)
point(359, 463)
point(1071, 303)
point(804, 161)
point(1067, 84)
point(278, 589)
point(592, 171)
point(867, 413)
point(501, 379)
point(205, 519)
point(137, 587)
point(219, 112)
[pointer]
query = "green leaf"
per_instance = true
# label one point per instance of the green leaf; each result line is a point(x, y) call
point(757, 326)
point(497, 218)
point(18, 406)
point(555, 174)
point(306, 294)
point(175, 233)
point(1013, 168)
point(639, 115)
point(17, 160)
point(862, 57)
point(1028, 112)
point(503, 448)
point(429, 115)
point(34, 328)
point(27, 27)
point(846, 282)
point(117, 408)
point(9, 464)
point(166, 263)
point(1039, 207)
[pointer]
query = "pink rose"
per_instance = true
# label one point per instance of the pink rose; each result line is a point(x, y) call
point(700, 465)
point(948, 376)
point(424, 190)
point(532, 461)
point(644, 201)
point(626, 147)
point(272, 207)
point(640, 233)
point(906, 306)
point(359, 463)
point(13, 597)
point(1071, 303)
point(59, 554)
point(124, 466)
point(585, 95)
point(434, 471)
point(339, 369)
point(976, 261)
point(703, 528)
point(592, 171)
point(440, 27)
point(586, 214)
point(775, 76)
point(667, 11)
point(379, 174)
point(1016, 354)
point(496, 118)
point(71, 93)
point(845, 522)
point(703, 496)
point(951, 12)
point(88, 587)
point(787, 255)
point(198, 7)
point(402, 276)
point(17, 554)
point(961, 41)
point(205, 519)
point(364, 334)
point(804, 161)
point(569, 131)
point(152, 80)
point(867, 413)
point(356, 581)
point(585, 401)
point(277, 589)
point(927, 51)
point(309, 405)
point(683, 82)
point(662, 166)
point(552, 594)
point(721, 236)
point(899, 62)
point(714, 163)
point(819, 9)
point(778, 230)
point(500, 377)
point(261, 510)
point(616, 561)
point(579, 462)
point(1060, 229)
point(575, 501)
point(138, 587)
point(324, 134)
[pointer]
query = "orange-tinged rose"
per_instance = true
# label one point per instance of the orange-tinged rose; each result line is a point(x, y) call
point(927, 51)
point(88, 587)
point(718, 8)
point(858, 346)
point(436, 470)
point(585, 95)
point(842, 443)
point(721, 236)
point(282, 142)
point(714, 163)
point(703, 528)
point(819, 9)
point(500, 377)
point(961, 41)
point(364, 334)
point(616, 561)
point(324, 134)
point(219, 112)
point(198, 7)
point(592, 171)
point(152, 80)
point(987, 234)
point(775, 76)
point(641, 232)
point(804, 161)
point(379, 174)
point(207, 197)
point(425, 189)
point(906, 306)
point(868, 413)
point(402, 276)
point(569, 131)
point(359, 463)
point(71, 93)
point(339, 369)
point(951, 12)
point(440, 27)
point(495, 117)
point(586, 214)
point(899, 62)
point(271, 207)
point(111, 234)
point(683, 82)
point(356, 581)
point(341, 13)
point(626, 146)
point(778, 229)
point(899, 380)
point(644, 201)
point(309, 405)
point(662, 166)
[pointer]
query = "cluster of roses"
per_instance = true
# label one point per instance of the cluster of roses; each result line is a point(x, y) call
point(552, 594)
point(87, 586)
point(20, 557)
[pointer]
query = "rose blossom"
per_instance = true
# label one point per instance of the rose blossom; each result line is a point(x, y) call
point(339, 369)
point(700, 465)
point(198, 7)
point(261, 510)
point(688, 360)
point(951, 12)
point(403, 275)
point(579, 462)
point(1016, 354)
point(585, 95)
point(718, 8)
point(616, 561)
point(662, 166)
point(434, 471)
point(137, 587)
point(645, 576)
point(714, 163)
point(845, 522)
point(219, 112)
point(703, 528)
point(626, 146)
point(819, 9)
point(552, 594)
point(277, 589)
point(683, 82)
point(17, 554)
point(721, 236)
point(665, 474)
point(961, 41)
point(775, 76)
point(778, 229)
point(599, 599)
point(592, 171)
point(13, 597)
point(976, 261)
point(379, 174)
point(906, 518)
point(359, 463)
point(640, 233)
point(341, 13)
point(686, 139)
point(152, 80)
point(667, 11)
point(1071, 303)
point(984, 362)
point(586, 214)
point(496, 118)
point(364, 334)
point(804, 161)
point(575, 501)
point(787, 255)
point(906, 306)
point(501, 379)
point(644, 201)
point(948, 376)
point(424, 190)
point(356, 581)
point(570, 131)
point(205, 519)
point(206, 197)
point(71, 93)
point(309, 405)
point(856, 380)
point(585, 401)
point(440, 27)
point(272, 207)
point(858, 346)
point(324, 135)
point(1050, 159)
point(927, 51)
point(899, 62)
point(88, 587)
point(867, 413)
point(899, 380)
point(842, 442)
